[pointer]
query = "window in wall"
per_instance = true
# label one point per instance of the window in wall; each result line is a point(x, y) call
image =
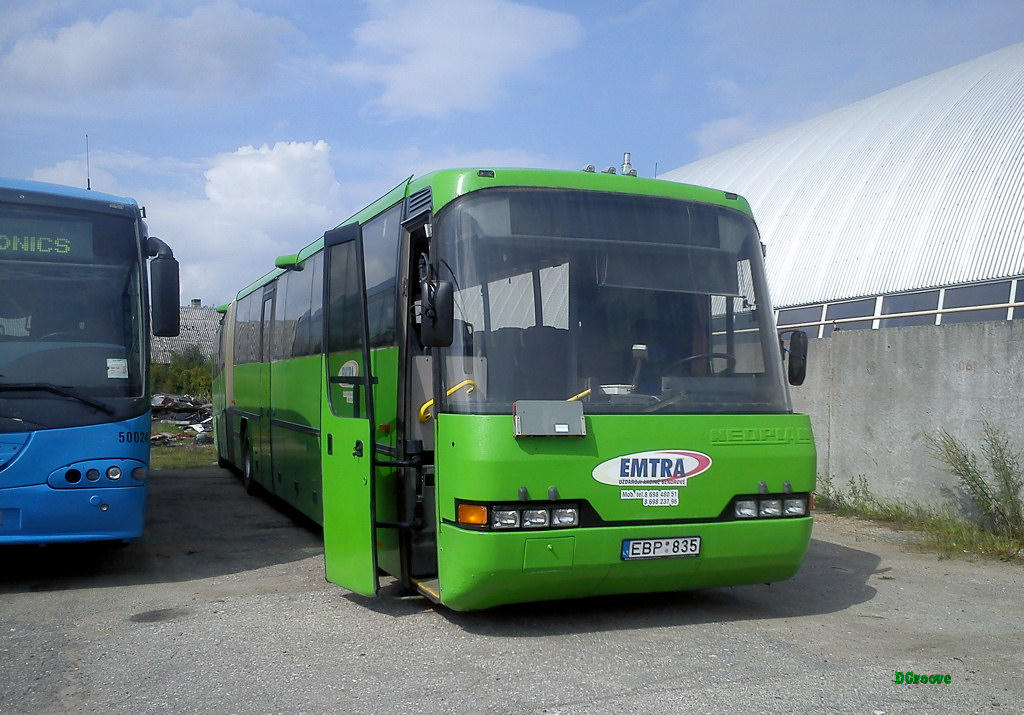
point(909, 303)
point(795, 316)
point(1018, 313)
point(984, 294)
point(849, 309)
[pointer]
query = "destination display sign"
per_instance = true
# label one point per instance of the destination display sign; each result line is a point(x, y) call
point(42, 239)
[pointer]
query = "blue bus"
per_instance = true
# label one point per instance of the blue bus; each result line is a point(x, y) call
point(74, 360)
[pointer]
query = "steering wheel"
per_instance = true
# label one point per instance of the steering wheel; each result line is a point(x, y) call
point(730, 361)
point(58, 334)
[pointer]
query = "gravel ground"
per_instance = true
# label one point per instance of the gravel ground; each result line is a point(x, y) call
point(222, 607)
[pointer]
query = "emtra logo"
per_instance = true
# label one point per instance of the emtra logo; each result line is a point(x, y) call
point(664, 467)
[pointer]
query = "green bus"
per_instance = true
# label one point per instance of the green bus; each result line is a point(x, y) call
point(505, 385)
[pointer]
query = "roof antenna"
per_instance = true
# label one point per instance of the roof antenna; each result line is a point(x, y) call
point(88, 172)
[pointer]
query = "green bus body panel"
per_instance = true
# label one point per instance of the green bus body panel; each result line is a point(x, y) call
point(350, 541)
point(449, 184)
point(481, 569)
point(295, 433)
point(250, 427)
point(348, 524)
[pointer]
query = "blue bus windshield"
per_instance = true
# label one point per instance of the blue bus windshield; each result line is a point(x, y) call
point(71, 344)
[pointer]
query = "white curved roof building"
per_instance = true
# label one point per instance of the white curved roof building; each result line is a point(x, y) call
point(908, 201)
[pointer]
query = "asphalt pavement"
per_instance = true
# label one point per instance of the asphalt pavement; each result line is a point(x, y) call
point(222, 607)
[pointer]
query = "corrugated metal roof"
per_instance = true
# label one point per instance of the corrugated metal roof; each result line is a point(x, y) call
point(917, 187)
point(199, 326)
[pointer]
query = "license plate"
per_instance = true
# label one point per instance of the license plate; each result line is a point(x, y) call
point(660, 548)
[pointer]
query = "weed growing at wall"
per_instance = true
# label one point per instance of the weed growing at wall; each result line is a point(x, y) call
point(857, 500)
point(942, 530)
point(994, 487)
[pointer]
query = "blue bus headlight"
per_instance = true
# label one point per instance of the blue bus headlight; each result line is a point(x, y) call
point(113, 473)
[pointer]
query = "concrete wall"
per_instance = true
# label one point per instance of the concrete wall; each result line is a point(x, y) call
point(873, 395)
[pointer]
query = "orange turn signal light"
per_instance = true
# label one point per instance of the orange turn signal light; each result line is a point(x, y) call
point(473, 514)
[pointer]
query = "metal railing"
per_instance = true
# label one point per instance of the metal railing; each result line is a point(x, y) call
point(877, 318)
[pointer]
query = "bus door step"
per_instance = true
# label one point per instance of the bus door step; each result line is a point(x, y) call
point(429, 588)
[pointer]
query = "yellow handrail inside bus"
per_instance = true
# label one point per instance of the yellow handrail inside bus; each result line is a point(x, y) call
point(579, 396)
point(425, 408)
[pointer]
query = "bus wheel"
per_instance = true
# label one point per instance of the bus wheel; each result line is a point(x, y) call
point(247, 481)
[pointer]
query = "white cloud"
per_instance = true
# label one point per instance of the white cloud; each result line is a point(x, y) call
point(258, 203)
point(247, 207)
point(217, 48)
point(112, 172)
point(721, 134)
point(17, 18)
point(442, 56)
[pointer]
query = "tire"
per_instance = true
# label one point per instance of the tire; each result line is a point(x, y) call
point(248, 482)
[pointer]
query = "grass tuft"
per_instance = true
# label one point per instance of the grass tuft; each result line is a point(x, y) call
point(993, 525)
point(183, 457)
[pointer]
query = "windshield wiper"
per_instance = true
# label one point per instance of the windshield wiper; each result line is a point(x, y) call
point(56, 390)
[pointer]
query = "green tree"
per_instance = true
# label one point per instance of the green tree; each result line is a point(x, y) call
point(188, 373)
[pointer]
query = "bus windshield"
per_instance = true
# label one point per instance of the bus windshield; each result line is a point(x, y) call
point(630, 304)
point(70, 312)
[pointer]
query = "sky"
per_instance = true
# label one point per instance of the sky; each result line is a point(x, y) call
point(249, 127)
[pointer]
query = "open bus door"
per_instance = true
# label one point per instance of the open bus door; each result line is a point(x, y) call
point(346, 437)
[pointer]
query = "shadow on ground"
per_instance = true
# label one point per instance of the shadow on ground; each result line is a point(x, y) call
point(200, 523)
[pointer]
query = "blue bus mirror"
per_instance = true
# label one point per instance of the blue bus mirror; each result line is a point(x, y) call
point(163, 288)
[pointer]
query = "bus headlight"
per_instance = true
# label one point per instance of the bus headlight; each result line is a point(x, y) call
point(565, 516)
point(794, 507)
point(769, 506)
point(511, 517)
point(113, 473)
point(504, 519)
point(746, 508)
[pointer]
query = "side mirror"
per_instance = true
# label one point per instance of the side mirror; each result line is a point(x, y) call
point(163, 289)
point(797, 357)
point(437, 328)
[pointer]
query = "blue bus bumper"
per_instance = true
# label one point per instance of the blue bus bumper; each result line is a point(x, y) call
point(40, 514)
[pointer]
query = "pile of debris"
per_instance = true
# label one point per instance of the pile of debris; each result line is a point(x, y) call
point(185, 411)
